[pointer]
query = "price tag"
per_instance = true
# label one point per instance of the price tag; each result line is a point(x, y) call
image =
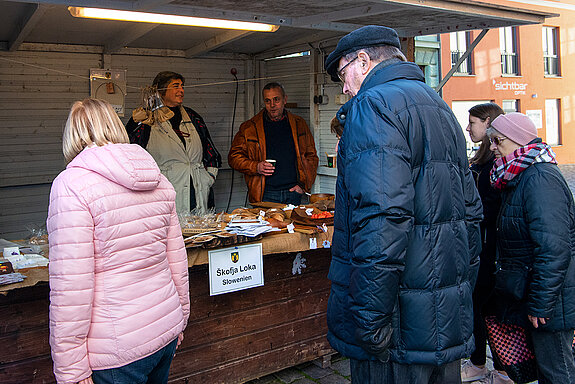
point(290, 227)
point(262, 213)
point(309, 211)
point(11, 251)
point(326, 244)
point(313, 243)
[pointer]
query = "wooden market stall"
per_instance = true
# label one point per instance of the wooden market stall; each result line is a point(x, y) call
point(231, 338)
point(45, 60)
point(50, 59)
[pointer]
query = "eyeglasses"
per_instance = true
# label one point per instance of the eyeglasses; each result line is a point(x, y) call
point(496, 140)
point(340, 73)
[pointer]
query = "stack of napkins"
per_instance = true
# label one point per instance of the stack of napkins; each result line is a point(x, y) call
point(27, 261)
point(250, 228)
point(11, 278)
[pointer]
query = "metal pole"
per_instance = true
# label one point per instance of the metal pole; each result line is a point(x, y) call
point(461, 60)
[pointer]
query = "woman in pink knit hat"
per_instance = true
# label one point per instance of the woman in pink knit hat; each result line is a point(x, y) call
point(535, 277)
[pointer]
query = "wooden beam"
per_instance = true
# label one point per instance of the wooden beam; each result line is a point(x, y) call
point(133, 32)
point(146, 5)
point(25, 25)
point(344, 14)
point(137, 30)
point(473, 8)
point(306, 43)
point(216, 42)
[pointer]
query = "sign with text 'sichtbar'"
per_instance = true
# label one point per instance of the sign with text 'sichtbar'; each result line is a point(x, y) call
point(235, 268)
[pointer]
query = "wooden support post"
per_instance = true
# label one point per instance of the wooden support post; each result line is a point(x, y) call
point(408, 47)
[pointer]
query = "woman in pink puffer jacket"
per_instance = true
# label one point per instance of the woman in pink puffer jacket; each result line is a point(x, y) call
point(119, 296)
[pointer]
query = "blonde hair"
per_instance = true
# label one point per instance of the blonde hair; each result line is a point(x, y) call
point(91, 121)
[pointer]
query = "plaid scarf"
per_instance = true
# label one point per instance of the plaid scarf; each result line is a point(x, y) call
point(506, 168)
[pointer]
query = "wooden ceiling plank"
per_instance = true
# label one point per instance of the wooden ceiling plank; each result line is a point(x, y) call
point(137, 30)
point(344, 14)
point(128, 35)
point(147, 5)
point(32, 15)
point(216, 42)
point(473, 8)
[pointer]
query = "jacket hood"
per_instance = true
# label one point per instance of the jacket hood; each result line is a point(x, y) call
point(395, 71)
point(383, 73)
point(128, 165)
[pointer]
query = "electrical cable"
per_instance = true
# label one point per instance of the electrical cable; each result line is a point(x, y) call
point(47, 69)
point(234, 72)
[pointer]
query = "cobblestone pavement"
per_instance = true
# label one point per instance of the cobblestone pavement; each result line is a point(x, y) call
point(339, 371)
point(568, 171)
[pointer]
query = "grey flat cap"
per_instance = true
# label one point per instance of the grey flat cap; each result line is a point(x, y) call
point(368, 36)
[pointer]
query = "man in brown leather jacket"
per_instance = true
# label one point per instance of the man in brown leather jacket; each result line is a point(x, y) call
point(285, 141)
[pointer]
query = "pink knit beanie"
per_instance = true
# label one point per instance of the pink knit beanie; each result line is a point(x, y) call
point(516, 126)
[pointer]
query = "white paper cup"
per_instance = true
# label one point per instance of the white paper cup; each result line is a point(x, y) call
point(331, 160)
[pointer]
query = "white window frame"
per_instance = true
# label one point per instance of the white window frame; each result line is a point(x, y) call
point(458, 43)
point(511, 105)
point(553, 121)
point(509, 52)
point(550, 40)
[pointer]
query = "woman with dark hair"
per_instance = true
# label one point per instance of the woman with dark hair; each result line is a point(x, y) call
point(180, 143)
point(535, 279)
point(480, 117)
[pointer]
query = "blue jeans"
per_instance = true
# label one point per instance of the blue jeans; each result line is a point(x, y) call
point(283, 197)
point(153, 369)
point(554, 356)
point(376, 372)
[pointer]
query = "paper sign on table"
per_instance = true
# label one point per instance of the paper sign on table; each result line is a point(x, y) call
point(235, 268)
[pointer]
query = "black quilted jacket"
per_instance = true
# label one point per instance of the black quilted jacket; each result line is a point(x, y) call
point(536, 249)
point(406, 241)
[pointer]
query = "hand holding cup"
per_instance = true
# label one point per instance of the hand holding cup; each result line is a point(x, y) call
point(266, 168)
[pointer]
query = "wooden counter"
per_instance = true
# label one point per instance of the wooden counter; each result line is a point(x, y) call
point(231, 338)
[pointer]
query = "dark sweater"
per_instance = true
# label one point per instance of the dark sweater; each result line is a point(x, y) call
point(280, 147)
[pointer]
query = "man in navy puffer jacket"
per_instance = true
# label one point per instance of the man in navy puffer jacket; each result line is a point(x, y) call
point(406, 240)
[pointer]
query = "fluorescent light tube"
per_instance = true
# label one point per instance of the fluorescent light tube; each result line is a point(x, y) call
point(158, 18)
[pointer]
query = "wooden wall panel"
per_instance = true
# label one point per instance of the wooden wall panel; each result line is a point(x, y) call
point(37, 90)
point(230, 338)
point(210, 91)
point(294, 74)
point(327, 140)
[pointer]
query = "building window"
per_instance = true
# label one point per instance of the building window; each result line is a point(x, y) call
point(550, 51)
point(510, 106)
point(459, 41)
point(509, 54)
point(552, 128)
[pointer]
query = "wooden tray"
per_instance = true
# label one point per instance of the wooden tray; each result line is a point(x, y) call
point(219, 242)
point(299, 216)
point(324, 205)
point(267, 204)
